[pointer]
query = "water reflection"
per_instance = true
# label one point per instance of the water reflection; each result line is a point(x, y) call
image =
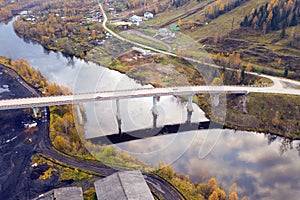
point(261, 171)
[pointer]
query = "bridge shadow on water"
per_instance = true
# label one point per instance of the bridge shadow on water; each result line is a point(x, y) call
point(153, 132)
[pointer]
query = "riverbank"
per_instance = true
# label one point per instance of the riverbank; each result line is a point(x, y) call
point(18, 144)
point(43, 176)
point(51, 173)
point(162, 71)
point(266, 113)
point(8, 9)
point(254, 147)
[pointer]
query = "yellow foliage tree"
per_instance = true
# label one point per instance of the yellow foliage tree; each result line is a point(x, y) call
point(233, 196)
point(179, 22)
point(213, 196)
point(249, 67)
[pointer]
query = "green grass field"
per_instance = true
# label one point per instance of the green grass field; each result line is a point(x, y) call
point(172, 13)
point(223, 24)
point(143, 41)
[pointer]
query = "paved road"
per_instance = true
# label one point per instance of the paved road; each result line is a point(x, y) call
point(113, 95)
point(277, 88)
point(277, 81)
point(129, 41)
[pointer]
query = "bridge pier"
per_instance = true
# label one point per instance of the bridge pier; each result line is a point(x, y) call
point(216, 99)
point(189, 117)
point(79, 114)
point(118, 116)
point(190, 104)
point(189, 109)
point(154, 108)
point(155, 121)
point(154, 111)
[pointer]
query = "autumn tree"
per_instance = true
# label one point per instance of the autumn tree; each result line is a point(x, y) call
point(249, 67)
point(273, 16)
point(93, 35)
point(221, 7)
point(179, 22)
point(233, 196)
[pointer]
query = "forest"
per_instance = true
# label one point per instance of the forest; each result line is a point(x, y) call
point(273, 16)
point(9, 8)
point(69, 26)
point(222, 6)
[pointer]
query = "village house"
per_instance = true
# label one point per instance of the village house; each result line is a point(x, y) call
point(136, 19)
point(123, 25)
point(142, 51)
point(123, 185)
point(111, 9)
point(148, 15)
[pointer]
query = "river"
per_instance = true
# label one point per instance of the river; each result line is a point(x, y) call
point(257, 165)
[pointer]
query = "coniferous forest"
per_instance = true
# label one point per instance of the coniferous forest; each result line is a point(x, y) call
point(274, 15)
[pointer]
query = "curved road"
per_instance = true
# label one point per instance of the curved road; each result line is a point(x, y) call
point(45, 147)
point(277, 81)
point(156, 184)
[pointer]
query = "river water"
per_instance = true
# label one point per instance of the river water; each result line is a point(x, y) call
point(256, 164)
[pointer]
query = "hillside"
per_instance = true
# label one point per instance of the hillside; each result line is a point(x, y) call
point(265, 35)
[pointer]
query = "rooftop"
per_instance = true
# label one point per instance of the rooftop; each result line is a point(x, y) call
point(67, 193)
point(123, 185)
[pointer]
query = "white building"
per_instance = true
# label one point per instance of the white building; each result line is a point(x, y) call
point(136, 19)
point(142, 51)
point(148, 15)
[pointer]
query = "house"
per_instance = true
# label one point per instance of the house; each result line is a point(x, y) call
point(142, 51)
point(123, 185)
point(123, 25)
point(148, 15)
point(163, 32)
point(136, 19)
point(74, 193)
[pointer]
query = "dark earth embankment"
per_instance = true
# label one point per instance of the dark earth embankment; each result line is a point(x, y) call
point(15, 146)
point(18, 180)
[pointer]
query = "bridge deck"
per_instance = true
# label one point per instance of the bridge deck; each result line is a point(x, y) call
point(113, 95)
point(127, 94)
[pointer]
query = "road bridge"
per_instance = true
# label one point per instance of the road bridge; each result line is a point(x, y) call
point(116, 95)
point(190, 91)
point(137, 93)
